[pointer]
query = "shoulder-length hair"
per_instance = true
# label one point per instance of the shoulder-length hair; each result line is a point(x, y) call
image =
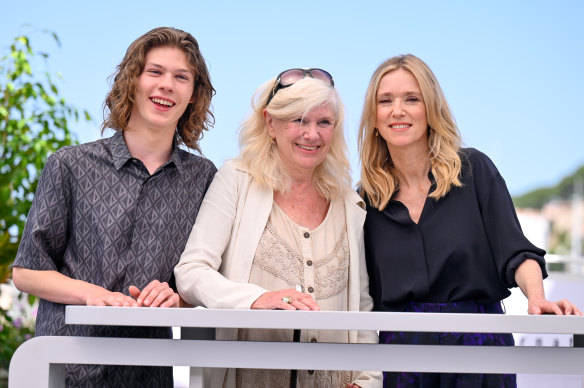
point(259, 154)
point(198, 116)
point(379, 178)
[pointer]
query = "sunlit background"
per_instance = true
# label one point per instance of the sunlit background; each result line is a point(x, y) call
point(511, 71)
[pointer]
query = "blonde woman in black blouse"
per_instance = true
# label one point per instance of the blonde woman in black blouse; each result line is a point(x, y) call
point(441, 233)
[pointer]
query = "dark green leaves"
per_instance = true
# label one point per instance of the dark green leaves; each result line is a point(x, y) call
point(34, 122)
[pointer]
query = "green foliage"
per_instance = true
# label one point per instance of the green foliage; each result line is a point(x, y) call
point(537, 198)
point(34, 122)
point(560, 243)
point(17, 324)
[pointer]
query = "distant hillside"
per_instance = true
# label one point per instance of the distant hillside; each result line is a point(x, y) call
point(537, 198)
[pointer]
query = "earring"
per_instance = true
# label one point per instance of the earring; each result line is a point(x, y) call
point(273, 140)
point(376, 132)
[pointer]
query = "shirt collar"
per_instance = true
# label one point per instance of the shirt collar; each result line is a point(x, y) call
point(176, 156)
point(121, 154)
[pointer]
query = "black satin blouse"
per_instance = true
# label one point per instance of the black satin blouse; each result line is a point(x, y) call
point(465, 247)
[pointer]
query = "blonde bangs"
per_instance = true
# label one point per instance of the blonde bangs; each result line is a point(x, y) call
point(379, 179)
point(259, 155)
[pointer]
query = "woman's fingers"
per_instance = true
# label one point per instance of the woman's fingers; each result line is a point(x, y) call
point(568, 307)
point(561, 307)
point(288, 299)
point(305, 302)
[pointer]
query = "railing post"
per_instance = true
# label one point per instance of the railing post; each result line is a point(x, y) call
point(196, 377)
point(579, 343)
point(56, 375)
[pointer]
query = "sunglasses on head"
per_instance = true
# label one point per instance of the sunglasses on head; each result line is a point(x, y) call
point(290, 76)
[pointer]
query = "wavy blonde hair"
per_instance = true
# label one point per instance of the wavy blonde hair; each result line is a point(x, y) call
point(260, 156)
point(118, 104)
point(379, 178)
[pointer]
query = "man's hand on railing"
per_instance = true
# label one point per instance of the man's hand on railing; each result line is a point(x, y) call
point(58, 288)
point(561, 307)
point(155, 294)
point(108, 298)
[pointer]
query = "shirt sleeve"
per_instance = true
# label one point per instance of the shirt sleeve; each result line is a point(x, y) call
point(198, 277)
point(508, 244)
point(44, 237)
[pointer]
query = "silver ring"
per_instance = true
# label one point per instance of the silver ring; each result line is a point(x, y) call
point(287, 299)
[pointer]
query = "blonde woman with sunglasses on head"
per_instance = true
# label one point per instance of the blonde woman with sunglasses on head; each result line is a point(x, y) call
point(281, 228)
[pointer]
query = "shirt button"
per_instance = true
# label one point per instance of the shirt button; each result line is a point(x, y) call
point(135, 161)
point(310, 372)
point(309, 263)
point(306, 234)
point(310, 289)
point(313, 339)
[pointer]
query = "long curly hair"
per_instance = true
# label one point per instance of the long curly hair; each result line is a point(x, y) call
point(118, 104)
point(379, 178)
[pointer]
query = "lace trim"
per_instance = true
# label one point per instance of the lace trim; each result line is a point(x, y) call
point(276, 257)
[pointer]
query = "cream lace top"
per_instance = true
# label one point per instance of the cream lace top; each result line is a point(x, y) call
point(289, 255)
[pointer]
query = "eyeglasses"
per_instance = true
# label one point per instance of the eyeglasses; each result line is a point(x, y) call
point(290, 76)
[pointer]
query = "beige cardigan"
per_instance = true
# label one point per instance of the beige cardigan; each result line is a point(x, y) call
point(214, 268)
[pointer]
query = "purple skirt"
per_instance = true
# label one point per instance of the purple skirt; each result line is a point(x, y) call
point(448, 380)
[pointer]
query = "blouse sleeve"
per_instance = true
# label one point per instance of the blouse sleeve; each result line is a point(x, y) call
point(508, 244)
point(198, 279)
point(44, 237)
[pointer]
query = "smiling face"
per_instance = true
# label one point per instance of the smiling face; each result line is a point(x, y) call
point(163, 90)
point(401, 112)
point(304, 141)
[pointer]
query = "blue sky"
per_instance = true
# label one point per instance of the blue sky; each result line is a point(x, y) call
point(511, 71)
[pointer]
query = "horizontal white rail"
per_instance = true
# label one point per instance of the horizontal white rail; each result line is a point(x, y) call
point(327, 320)
point(40, 361)
point(552, 258)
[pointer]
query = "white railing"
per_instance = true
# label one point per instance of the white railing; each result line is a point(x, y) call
point(572, 264)
point(40, 361)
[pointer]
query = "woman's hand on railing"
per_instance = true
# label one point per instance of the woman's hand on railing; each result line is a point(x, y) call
point(155, 294)
point(561, 307)
point(529, 278)
point(288, 299)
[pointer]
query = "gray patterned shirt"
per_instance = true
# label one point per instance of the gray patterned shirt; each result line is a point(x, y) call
point(99, 216)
